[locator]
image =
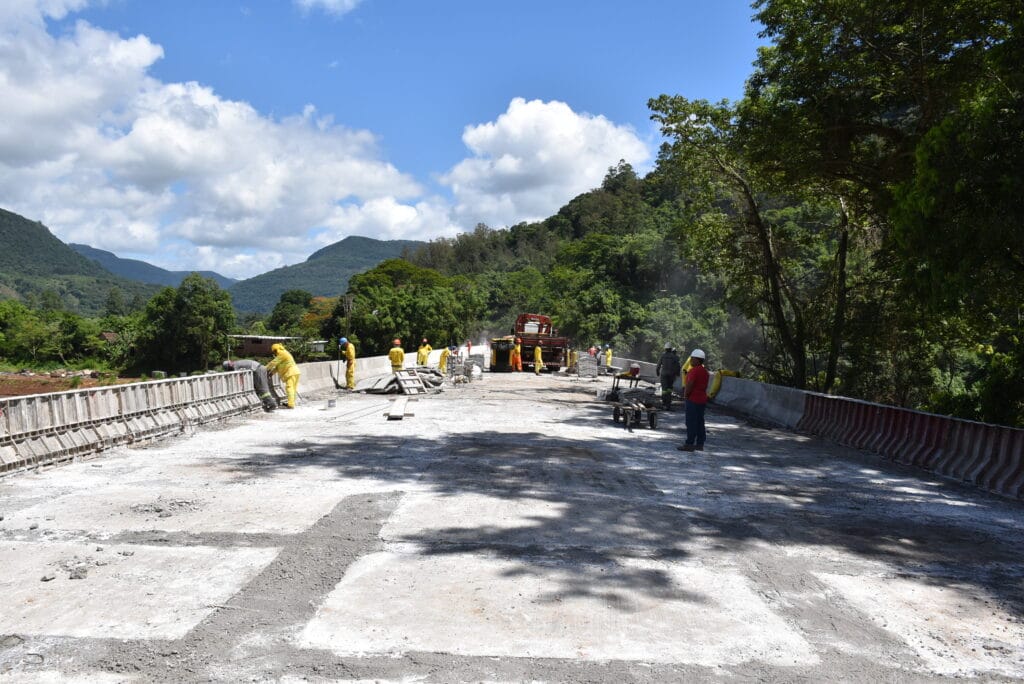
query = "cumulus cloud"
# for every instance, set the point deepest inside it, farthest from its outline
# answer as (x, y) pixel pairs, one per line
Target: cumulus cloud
(335, 7)
(533, 159)
(106, 155)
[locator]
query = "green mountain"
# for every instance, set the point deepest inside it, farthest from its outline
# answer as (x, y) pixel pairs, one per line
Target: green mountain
(133, 269)
(325, 273)
(35, 265)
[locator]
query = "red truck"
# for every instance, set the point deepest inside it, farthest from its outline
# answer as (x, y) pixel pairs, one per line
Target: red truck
(533, 330)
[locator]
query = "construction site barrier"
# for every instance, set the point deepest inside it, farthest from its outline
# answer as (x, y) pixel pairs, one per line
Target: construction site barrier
(41, 429)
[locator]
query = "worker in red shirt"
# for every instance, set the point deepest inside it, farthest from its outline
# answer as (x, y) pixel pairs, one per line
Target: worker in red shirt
(695, 394)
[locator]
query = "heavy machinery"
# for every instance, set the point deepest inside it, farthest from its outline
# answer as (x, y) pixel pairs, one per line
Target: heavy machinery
(532, 330)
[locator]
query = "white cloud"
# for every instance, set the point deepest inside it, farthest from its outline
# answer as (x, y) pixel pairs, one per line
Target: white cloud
(533, 159)
(336, 7)
(104, 154)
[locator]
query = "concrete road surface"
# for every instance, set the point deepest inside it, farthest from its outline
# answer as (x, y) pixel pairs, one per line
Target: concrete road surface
(507, 531)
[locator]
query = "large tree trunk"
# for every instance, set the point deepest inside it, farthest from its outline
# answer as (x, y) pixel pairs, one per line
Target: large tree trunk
(836, 343)
(792, 339)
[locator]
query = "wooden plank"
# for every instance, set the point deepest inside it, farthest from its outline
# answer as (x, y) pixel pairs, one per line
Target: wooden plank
(397, 409)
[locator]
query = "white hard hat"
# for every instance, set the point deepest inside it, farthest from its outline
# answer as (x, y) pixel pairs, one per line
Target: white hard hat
(668, 345)
(698, 354)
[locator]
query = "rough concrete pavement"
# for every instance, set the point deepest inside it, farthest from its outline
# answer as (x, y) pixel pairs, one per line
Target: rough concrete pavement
(509, 531)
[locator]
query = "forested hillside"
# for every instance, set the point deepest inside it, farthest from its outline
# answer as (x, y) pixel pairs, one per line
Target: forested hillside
(324, 274)
(39, 269)
(144, 272)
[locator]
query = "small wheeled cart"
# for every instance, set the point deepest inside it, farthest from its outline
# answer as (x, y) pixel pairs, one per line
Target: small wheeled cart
(630, 405)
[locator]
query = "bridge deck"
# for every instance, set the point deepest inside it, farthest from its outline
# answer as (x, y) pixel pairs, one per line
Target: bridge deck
(508, 531)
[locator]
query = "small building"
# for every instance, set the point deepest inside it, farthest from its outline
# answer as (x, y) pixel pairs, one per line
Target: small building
(316, 346)
(257, 345)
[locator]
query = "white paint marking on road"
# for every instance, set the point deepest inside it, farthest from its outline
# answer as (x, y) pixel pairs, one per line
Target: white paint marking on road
(128, 592)
(476, 605)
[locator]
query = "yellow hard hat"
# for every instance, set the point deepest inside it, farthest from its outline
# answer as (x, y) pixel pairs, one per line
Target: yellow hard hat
(276, 347)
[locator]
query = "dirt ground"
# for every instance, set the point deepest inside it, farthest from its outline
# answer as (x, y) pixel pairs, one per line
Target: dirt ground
(18, 385)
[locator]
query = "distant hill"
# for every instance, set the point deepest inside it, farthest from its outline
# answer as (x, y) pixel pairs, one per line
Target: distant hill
(33, 261)
(325, 273)
(133, 269)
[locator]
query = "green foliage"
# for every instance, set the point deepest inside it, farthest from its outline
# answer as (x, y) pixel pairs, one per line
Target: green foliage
(185, 328)
(401, 299)
(287, 314)
(43, 272)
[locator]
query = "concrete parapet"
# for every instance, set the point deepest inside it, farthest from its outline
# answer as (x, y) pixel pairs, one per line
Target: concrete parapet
(782, 406)
(48, 428)
(989, 456)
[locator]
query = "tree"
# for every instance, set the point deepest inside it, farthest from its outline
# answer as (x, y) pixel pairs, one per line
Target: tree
(115, 304)
(186, 328)
(288, 311)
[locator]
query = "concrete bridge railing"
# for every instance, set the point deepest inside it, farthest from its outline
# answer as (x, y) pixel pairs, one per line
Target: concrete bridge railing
(47, 428)
(41, 429)
(989, 456)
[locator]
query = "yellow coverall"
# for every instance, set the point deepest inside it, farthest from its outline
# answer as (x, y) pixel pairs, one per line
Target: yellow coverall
(515, 357)
(538, 360)
(284, 365)
(397, 356)
(423, 354)
(443, 363)
(350, 365)
(608, 356)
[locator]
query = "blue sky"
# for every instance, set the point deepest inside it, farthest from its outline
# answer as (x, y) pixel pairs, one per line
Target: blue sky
(241, 136)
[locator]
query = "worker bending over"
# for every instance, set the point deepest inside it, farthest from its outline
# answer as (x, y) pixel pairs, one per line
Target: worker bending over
(284, 365)
(348, 350)
(397, 356)
(260, 381)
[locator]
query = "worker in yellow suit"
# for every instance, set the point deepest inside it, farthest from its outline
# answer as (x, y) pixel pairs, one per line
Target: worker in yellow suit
(442, 364)
(423, 353)
(397, 356)
(607, 355)
(348, 350)
(284, 365)
(515, 357)
(538, 360)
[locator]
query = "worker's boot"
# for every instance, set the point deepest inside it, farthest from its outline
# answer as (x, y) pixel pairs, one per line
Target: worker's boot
(666, 400)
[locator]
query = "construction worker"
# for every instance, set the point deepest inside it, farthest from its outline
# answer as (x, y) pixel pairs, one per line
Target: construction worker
(696, 397)
(538, 360)
(260, 381)
(423, 353)
(442, 364)
(397, 356)
(668, 370)
(574, 359)
(515, 357)
(348, 350)
(608, 355)
(284, 365)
